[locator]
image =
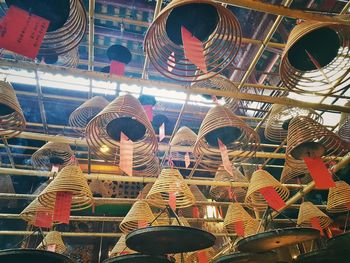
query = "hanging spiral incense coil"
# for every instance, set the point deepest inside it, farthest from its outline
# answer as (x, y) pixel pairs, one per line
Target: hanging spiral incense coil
(214, 25)
(81, 116)
(149, 169)
(261, 179)
(53, 238)
(12, 120)
(222, 192)
(121, 248)
(30, 212)
(192, 257)
(339, 198)
(124, 114)
(199, 196)
(308, 138)
(307, 211)
(236, 213)
(184, 137)
(170, 181)
(69, 179)
(221, 123)
(68, 23)
(295, 175)
(69, 59)
(344, 125)
(316, 57)
(276, 128)
(52, 153)
(219, 83)
(139, 212)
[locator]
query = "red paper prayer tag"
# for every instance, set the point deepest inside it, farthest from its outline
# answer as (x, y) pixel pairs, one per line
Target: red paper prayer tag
(161, 132)
(172, 200)
(22, 32)
(315, 223)
(193, 49)
(319, 173)
(117, 68)
(202, 257)
(55, 168)
(43, 219)
(215, 99)
(51, 248)
(126, 154)
(62, 207)
(187, 160)
(224, 156)
(124, 253)
(171, 62)
(142, 224)
(149, 111)
(195, 212)
(272, 197)
(239, 228)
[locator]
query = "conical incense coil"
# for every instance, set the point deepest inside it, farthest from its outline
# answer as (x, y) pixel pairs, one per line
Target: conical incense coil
(193, 256)
(316, 57)
(53, 238)
(221, 123)
(235, 214)
(149, 169)
(69, 179)
(194, 211)
(121, 248)
(308, 138)
(170, 181)
(295, 175)
(339, 198)
(214, 25)
(52, 153)
(276, 128)
(123, 115)
(29, 213)
(140, 213)
(81, 116)
(219, 82)
(225, 193)
(344, 125)
(308, 211)
(12, 120)
(184, 137)
(261, 179)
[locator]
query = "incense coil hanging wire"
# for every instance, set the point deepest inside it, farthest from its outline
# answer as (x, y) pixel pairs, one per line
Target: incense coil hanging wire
(344, 125)
(12, 121)
(139, 212)
(170, 181)
(69, 179)
(317, 58)
(219, 83)
(295, 175)
(124, 114)
(30, 212)
(220, 122)
(121, 248)
(276, 128)
(214, 25)
(235, 214)
(53, 238)
(223, 192)
(81, 116)
(52, 153)
(261, 179)
(339, 198)
(307, 211)
(308, 138)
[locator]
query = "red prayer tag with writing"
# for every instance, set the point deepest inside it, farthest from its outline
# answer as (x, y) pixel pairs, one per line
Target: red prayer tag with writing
(171, 62)
(117, 68)
(22, 32)
(161, 132)
(51, 248)
(224, 156)
(142, 224)
(272, 197)
(202, 257)
(315, 223)
(126, 154)
(62, 207)
(43, 219)
(319, 173)
(193, 49)
(172, 200)
(239, 228)
(187, 160)
(149, 111)
(195, 212)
